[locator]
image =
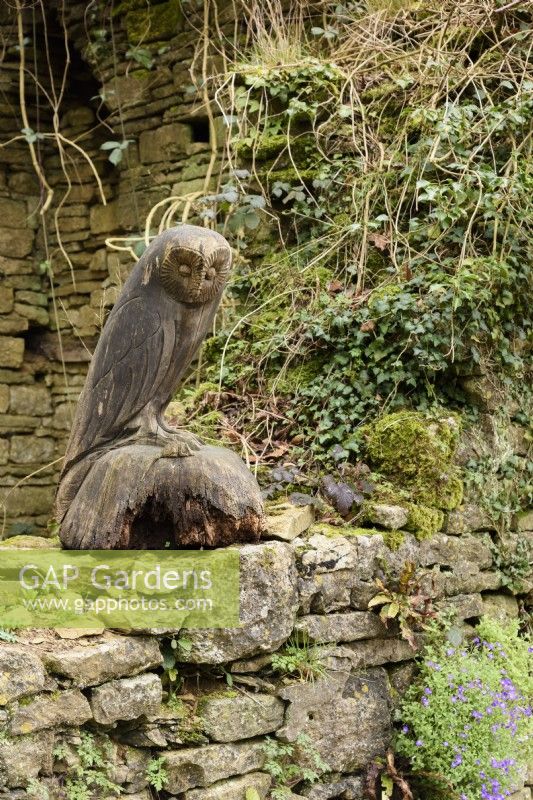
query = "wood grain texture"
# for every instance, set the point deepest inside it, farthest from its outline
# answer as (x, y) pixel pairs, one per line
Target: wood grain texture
(129, 479)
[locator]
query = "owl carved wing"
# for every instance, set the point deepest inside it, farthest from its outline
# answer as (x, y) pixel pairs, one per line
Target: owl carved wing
(124, 375)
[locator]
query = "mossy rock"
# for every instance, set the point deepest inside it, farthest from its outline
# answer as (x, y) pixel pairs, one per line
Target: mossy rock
(415, 451)
(153, 23)
(424, 521)
(26, 542)
(393, 539)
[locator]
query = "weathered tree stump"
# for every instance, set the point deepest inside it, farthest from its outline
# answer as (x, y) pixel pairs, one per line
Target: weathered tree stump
(132, 498)
(130, 480)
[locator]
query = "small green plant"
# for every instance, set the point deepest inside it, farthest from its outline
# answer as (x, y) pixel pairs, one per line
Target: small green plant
(292, 763)
(404, 603)
(7, 636)
(156, 774)
(88, 775)
(117, 150)
(142, 56)
(515, 563)
(298, 659)
(37, 789)
(466, 722)
(170, 679)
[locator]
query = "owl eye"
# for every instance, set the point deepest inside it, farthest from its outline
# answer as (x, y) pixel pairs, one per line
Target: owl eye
(183, 269)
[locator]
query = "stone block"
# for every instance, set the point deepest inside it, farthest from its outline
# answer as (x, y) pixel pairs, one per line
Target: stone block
(18, 423)
(192, 187)
(62, 419)
(24, 758)
(465, 579)
(69, 708)
(31, 400)
(24, 183)
(286, 521)
(345, 716)
(350, 787)
(327, 554)
(6, 299)
(268, 603)
(228, 719)
(32, 298)
(466, 606)
(327, 592)
(347, 627)
(450, 550)
(524, 521)
(39, 316)
(387, 516)
(501, 607)
(11, 351)
(16, 243)
(126, 698)
(31, 449)
(164, 144)
(468, 518)
(4, 398)
(108, 658)
(21, 673)
(30, 500)
(4, 451)
(13, 213)
(202, 766)
(13, 323)
(234, 789)
(105, 219)
(376, 652)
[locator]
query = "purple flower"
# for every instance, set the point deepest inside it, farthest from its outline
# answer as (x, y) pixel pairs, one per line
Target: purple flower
(427, 690)
(419, 743)
(457, 760)
(405, 729)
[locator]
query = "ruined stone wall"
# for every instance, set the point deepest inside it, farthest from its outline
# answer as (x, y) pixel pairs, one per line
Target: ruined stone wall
(305, 579)
(58, 278)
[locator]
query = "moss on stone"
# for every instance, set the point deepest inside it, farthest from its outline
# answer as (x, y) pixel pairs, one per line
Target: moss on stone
(415, 452)
(148, 24)
(325, 529)
(424, 521)
(393, 539)
(25, 542)
(289, 175)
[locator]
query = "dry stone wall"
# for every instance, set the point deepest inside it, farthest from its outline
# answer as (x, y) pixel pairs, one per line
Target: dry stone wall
(58, 278)
(209, 737)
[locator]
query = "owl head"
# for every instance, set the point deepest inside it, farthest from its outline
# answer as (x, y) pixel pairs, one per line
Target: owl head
(194, 264)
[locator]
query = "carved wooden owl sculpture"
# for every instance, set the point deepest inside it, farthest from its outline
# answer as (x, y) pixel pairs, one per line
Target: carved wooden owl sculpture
(161, 317)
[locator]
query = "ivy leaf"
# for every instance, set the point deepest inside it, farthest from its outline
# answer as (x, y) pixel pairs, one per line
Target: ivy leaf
(111, 145)
(116, 156)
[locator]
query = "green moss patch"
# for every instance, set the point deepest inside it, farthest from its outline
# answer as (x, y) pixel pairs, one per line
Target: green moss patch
(153, 23)
(416, 453)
